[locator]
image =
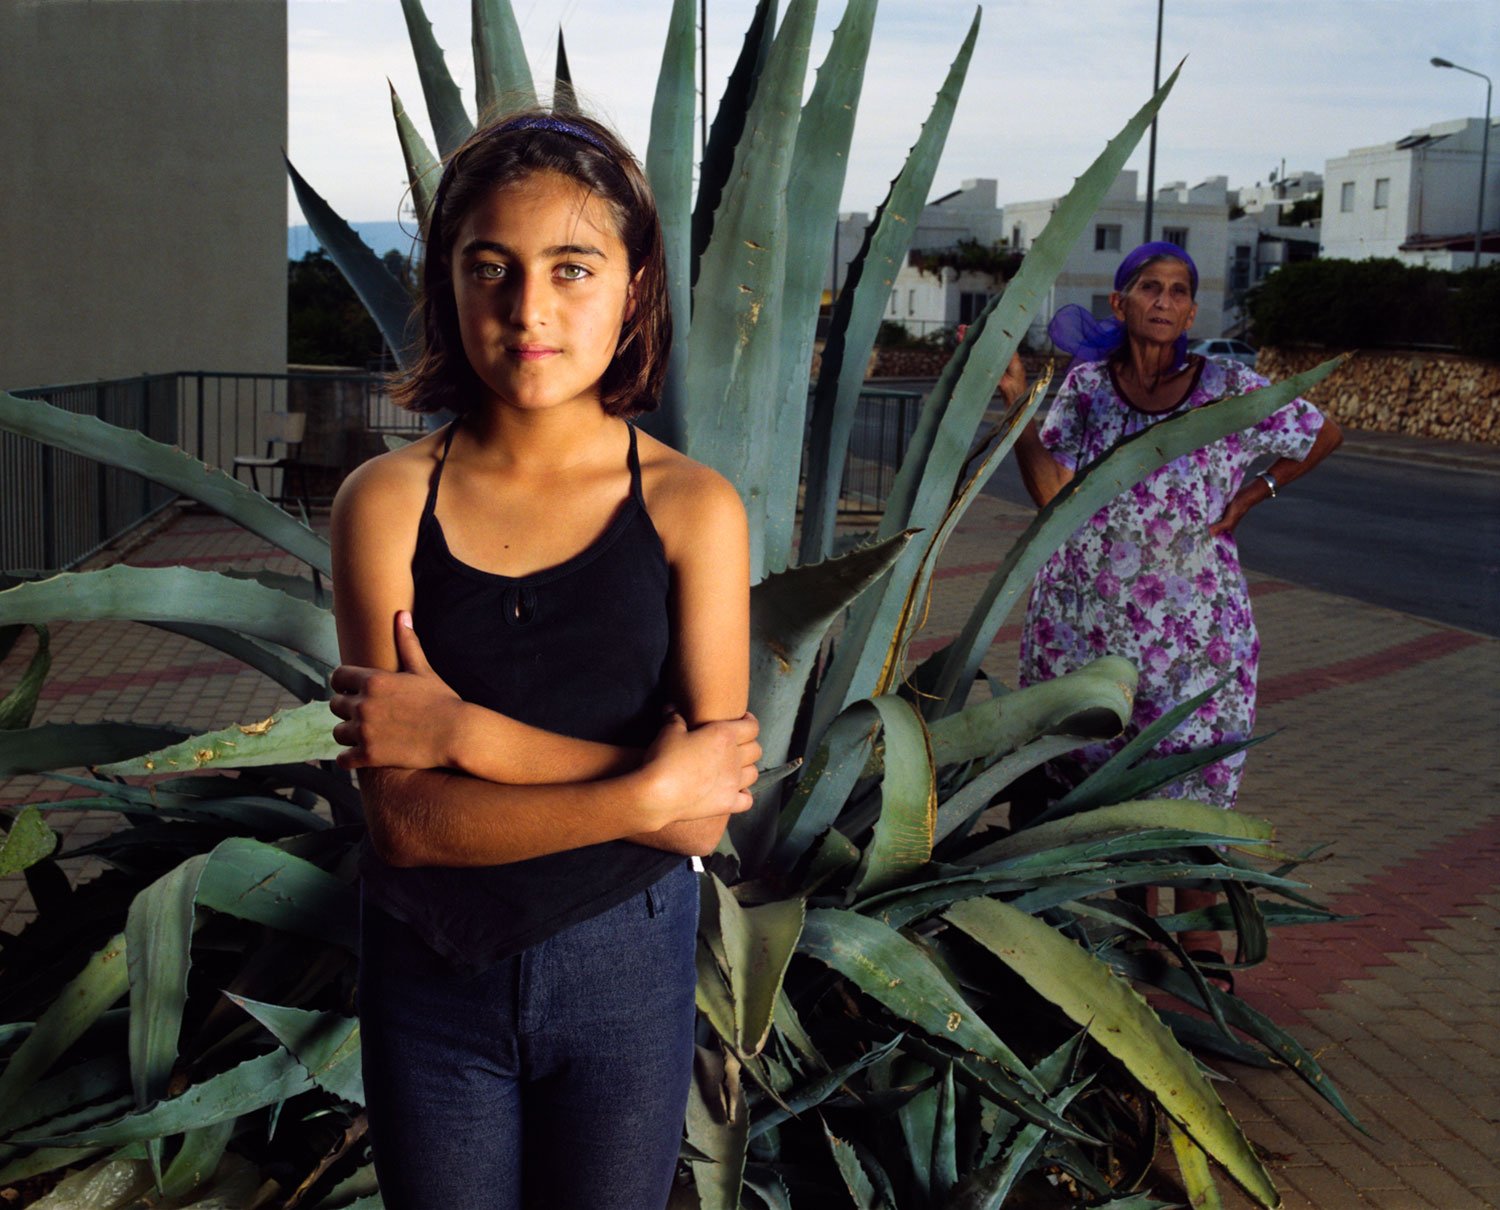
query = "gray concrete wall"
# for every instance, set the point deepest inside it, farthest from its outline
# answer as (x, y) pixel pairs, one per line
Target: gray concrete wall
(143, 226)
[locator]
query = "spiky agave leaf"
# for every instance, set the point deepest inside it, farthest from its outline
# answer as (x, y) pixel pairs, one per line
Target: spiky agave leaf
(790, 613)
(175, 594)
(669, 166)
(819, 159)
(728, 408)
(502, 77)
(27, 841)
(725, 133)
(950, 416)
(17, 706)
(383, 296)
(445, 108)
(241, 878)
(857, 311)
(564, 99)
(423, 171)
(286, 737)
(1121, 1022)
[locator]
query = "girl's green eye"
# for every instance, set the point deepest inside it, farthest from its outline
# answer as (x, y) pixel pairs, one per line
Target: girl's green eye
(572, 272)
(489, 271)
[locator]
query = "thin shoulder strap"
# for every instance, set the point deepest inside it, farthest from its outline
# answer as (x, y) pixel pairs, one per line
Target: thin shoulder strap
(634, 459)
(437, 475)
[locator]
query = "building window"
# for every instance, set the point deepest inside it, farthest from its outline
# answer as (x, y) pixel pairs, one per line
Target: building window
(1239, 269)
(1382, 192)
(911, 302)
(1016, 235)
(1099, 306)
(970, 304)
(1176, 235)
(1107, 237)
(1346, 198)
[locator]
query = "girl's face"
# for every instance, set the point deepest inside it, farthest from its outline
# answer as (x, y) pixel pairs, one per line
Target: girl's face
(1159, 307)
(542, 284)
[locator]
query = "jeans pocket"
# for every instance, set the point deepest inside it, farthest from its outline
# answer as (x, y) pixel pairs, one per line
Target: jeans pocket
(669, 892)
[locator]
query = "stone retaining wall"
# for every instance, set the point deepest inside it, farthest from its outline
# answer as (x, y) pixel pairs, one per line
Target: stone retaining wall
(1441, 395)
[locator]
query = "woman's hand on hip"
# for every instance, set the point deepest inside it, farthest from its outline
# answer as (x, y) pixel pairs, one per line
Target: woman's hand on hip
(401, 720)
(700, 773)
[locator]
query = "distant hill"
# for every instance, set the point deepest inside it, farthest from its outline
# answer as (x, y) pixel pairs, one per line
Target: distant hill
(381, 237)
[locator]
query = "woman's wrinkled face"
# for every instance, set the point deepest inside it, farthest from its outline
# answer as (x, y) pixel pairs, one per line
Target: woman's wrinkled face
(1158, 306)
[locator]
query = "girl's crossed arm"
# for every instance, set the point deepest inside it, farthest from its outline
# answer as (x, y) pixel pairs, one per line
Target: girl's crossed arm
(430, 816)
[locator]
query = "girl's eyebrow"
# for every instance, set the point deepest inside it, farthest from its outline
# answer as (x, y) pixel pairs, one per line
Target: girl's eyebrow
(485, 245)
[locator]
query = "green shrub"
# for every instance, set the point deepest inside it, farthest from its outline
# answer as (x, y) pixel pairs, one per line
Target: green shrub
(1379, 304)
(1476, 312)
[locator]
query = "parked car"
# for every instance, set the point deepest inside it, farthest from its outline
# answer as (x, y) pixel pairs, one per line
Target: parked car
(1225, 349)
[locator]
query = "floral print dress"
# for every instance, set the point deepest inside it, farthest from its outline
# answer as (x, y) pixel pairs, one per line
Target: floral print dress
(1143, 578)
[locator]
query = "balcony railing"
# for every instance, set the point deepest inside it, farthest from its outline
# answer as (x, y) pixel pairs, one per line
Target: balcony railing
(59, 508)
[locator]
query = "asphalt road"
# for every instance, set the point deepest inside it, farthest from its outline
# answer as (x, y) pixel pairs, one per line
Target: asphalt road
(1412, 535)
(1424, 539)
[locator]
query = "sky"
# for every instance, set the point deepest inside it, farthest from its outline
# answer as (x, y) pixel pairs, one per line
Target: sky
(1265, 83)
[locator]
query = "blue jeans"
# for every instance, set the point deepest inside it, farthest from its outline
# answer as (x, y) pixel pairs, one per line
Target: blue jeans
(556, 1078)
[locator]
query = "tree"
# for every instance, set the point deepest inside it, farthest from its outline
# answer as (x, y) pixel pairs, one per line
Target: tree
(326, 322)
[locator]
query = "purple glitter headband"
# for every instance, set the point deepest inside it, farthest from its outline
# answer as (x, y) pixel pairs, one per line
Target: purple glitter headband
(1155, 250)
(1077, 332)
(559, 126)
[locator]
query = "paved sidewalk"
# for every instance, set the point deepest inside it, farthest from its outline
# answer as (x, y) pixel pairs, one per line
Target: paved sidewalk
(1385, 751)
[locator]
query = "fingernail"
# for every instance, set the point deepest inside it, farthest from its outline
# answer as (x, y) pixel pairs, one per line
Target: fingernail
(404, 618)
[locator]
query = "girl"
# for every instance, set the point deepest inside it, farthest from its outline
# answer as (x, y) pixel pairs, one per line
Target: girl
(529, 910)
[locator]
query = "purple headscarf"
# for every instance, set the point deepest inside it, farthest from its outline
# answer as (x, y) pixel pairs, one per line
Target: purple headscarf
(1074, 330)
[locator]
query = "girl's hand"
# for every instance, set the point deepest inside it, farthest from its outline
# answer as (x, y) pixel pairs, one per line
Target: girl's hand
(702, 773)
(400, 720)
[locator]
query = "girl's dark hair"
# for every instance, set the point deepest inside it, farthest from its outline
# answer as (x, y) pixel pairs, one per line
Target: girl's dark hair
(503, 153)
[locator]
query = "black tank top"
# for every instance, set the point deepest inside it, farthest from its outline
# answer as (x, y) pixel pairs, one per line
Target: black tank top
(579, 649)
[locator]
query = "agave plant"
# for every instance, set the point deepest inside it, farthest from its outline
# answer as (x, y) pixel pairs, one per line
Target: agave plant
(904, 1001)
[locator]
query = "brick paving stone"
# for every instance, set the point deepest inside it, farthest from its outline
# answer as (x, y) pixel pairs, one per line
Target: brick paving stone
(1403, 1198)
(1358, 1166)
(1464, 1161)
(1323, 1187)
(1442, 1189)
(1397, 1116)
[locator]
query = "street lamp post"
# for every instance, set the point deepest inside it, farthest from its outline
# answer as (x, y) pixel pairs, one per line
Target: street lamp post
(1484, 149)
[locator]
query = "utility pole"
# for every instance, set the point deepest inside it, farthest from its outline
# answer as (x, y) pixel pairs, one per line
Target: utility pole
(1151, 154)
(703, 72)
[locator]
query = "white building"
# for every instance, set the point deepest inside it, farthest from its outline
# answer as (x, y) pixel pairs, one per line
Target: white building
(1283, 190)
(970, 212)
(1414, 199)
(925, 302)
(1196, 219)
(1261, 240)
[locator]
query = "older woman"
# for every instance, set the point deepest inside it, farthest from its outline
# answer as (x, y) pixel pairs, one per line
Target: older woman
(1155, 576)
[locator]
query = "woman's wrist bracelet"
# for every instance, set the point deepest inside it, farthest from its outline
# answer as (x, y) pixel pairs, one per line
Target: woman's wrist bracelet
(1270, 481)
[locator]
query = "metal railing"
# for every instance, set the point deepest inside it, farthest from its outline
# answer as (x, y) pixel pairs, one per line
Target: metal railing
(57, 508)
(60, 508)
(883, 424)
